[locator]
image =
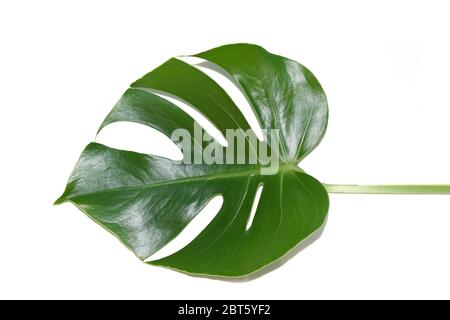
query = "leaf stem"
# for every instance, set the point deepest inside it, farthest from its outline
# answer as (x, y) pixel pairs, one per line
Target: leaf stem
(388, 189)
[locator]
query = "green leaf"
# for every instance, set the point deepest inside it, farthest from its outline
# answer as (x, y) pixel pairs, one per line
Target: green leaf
(146, 200)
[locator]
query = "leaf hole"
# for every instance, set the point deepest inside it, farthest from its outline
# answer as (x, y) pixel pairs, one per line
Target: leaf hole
(204, 122)
(251, 217)
(231, 87)
(140, 138)
(192, 230)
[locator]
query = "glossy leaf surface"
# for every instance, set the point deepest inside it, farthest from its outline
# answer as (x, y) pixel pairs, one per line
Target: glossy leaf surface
(146, 200)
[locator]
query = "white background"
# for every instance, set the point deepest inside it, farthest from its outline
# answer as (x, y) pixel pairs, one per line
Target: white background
(384, 66)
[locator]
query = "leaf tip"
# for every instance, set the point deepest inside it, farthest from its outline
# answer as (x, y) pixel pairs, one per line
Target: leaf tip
(60, 200)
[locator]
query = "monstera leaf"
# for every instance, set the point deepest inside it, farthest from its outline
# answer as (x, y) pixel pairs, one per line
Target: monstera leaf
(147, 200)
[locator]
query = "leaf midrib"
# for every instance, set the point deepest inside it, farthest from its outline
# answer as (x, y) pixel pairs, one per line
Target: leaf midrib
(211, 176)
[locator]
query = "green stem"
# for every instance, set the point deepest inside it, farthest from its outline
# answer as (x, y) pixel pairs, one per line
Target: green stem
(388, 189)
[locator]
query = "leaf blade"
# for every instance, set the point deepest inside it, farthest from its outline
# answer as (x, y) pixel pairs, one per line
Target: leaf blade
(147, 200)
(278, 89)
